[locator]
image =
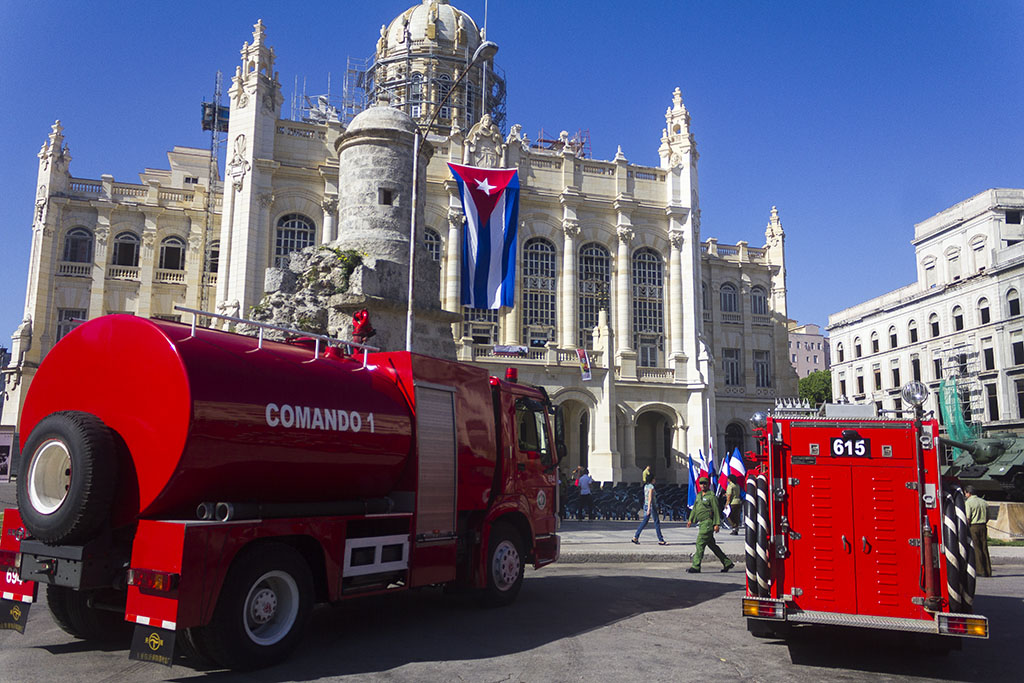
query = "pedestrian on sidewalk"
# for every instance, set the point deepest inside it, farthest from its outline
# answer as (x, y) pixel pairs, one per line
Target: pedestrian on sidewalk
(650, 508)
(977, 518)
(734, 504)
(705, 513)
(586, 498)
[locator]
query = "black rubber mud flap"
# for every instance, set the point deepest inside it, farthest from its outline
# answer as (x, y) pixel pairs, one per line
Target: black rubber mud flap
(151, 644)
(13, 615)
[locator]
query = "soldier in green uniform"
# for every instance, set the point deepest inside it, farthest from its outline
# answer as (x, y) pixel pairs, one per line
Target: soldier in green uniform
(705, 513)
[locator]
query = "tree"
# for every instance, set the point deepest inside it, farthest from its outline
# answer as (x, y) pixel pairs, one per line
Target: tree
(817, 387)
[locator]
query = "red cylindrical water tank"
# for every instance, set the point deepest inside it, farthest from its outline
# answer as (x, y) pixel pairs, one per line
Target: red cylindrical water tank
(214, 417)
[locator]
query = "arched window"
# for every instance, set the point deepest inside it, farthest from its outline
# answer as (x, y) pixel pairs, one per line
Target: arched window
(758, 301)
(416, 95)
(213, 256)
(892, 337)
(874, 342)
(856, 347)
(734, 438)
(1012, 303)
(704, 300)
(953, 264)
(172, 254)
(729, 300)
(928, 266)
(78, 246)
(933, 325)
(839, 351)
(912, 331)
(444, 86)
(294, 232)
(595, 277)
(983, 312)
(432, 240)
(958, 318)
(126, 250)
(538, 292)
(648, 306)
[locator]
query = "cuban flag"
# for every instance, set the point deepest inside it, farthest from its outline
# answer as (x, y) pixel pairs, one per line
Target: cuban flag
(490, 200)
(736, 466)
(723, 474)
(691, 491)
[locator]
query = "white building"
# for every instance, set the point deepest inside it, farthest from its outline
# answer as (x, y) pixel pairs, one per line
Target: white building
(686, 337)
(962, 317)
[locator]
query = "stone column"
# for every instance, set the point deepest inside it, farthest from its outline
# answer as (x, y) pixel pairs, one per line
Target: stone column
(623, 285)
(567, 328)
(224, 258)
(453, 263)
(147, 263)
(97, 292)
(330, 207)
(195, 266)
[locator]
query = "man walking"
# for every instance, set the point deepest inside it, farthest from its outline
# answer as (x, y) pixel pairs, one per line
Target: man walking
(733, 501)
(705, 513)
(977, 518)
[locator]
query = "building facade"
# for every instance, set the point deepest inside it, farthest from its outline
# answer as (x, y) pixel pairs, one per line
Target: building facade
(808, 349)
(685, 337)
(960, 319)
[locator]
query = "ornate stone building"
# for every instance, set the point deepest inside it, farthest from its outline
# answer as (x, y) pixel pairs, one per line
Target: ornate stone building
(686, 337)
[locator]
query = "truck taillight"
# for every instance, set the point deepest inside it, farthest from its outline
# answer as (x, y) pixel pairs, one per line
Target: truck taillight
(153, 579)
(764, 608)
(9, 560)
(962, 625)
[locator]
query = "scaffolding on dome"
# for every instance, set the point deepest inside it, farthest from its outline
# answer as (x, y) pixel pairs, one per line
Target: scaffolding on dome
(578, 142)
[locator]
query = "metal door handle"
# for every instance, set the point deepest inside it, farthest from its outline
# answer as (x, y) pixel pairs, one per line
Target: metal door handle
(864, 544)
(846, 544)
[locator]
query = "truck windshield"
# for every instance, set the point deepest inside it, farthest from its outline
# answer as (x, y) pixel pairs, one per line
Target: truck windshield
(531, 429)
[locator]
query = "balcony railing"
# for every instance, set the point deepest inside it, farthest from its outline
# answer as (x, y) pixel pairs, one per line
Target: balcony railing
(122, 272)
(174, 277)
(69, 269)
(210, 279)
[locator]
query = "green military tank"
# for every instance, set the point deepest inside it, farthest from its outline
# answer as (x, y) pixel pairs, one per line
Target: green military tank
(993, 464)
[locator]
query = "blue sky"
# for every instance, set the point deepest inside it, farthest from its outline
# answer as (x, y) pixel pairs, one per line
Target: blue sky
(856, 119)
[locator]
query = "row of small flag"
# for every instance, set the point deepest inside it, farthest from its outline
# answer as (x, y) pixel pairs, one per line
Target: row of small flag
(698, 466)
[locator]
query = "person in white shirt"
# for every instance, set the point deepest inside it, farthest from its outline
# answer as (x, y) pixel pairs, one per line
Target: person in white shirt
(586, 499)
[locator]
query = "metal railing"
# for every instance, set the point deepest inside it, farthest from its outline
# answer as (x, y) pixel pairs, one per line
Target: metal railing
(329, 341)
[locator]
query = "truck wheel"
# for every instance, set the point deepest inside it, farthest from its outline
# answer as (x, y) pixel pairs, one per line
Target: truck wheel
(504, 566)
(262, 610)
(67, 481)
(71, 611)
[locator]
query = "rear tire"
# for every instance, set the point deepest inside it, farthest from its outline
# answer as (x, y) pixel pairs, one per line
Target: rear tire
(504, 566)
(68, 478)
(71, 611)
(262, 610)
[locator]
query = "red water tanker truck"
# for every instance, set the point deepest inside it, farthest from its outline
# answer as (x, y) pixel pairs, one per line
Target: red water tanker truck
(849, 523)
(209, 488)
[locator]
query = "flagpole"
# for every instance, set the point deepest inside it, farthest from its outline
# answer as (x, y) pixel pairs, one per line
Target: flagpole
(486, 50)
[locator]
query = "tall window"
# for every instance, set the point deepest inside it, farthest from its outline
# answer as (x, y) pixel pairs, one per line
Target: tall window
(432, 240)
(538, 292)
(958, 318)
(895, 367)
(172, 254)
(874, 342)
(595, 278)
(734, 437)
(729, 300)
(731, 367)
(953, 264)
(892, 337)
(993, 402)
(472, 101)
(929, 272)
(988, 354)
(762, 368)
(758, 301)
(213, 256)
(856, 347)
(444, 86)
(480, 325)
(126, 250)
(912, 331)
(983, 313)
(648, 306)
(933, 324)
(839, 351)
(68, 319)
(294, 232)
(78, 246)
(1013, 303)
(704, 302)
(416, 95)
(915, 367)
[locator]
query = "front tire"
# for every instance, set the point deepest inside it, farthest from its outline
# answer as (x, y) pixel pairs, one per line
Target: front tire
(262, 610)
(67, 483)
(504, 566)
(71, 611)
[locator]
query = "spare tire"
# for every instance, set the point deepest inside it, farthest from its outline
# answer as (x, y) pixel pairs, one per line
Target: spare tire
(68, 477)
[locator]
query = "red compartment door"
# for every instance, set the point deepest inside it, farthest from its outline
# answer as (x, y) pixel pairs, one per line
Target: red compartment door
(885, 519)
(822, 564)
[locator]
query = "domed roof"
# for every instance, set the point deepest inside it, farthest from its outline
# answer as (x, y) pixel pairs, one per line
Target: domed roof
(446, 20)
(375, 118)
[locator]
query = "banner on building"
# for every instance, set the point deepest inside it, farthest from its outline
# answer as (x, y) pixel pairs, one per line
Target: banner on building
(584, 363)
(490, 201)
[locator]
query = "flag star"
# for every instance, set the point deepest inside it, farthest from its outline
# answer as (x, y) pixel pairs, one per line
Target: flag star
(484, 185)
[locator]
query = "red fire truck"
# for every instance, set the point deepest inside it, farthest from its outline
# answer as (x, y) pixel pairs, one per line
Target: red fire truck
(210, 487)
(849, 523)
